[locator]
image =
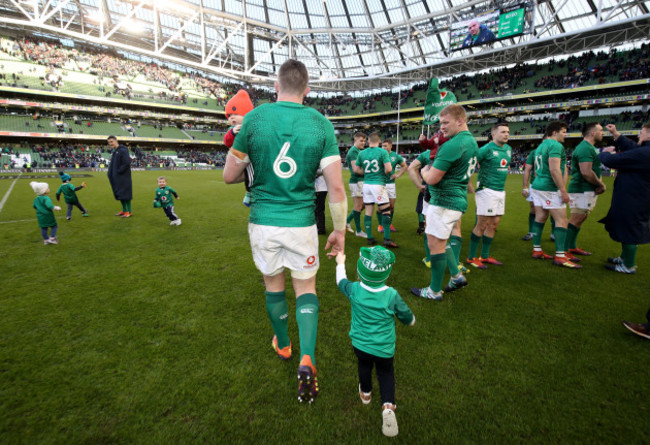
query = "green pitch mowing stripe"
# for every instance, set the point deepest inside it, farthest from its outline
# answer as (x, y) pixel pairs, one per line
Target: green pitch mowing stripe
(132, 331)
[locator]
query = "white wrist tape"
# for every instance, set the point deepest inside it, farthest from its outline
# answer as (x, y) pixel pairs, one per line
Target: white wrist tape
(339, 211)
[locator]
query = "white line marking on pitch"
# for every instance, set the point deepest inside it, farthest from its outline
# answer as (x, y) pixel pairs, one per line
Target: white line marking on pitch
(24, 220)
(11, 187)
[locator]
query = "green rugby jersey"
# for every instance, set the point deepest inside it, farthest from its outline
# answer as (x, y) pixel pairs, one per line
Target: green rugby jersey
(372, 326)
(69, 193)
(494, 162)
(285, 143)
(44, 211)
(530, 160)
(372, 161)
(395, 160)
(353, 154)
(424, 158)
(549, 148)
(166, 196)
(584, 152)
(457, 157)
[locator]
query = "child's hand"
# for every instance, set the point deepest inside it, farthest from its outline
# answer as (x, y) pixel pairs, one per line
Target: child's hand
(236, 128)
(83, 184)
(57, 208)
(340, 258)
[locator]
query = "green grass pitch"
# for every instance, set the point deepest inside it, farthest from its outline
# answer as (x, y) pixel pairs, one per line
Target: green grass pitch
(132, 331)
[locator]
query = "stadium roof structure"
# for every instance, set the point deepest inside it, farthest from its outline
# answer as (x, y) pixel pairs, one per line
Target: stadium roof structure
(347, 45)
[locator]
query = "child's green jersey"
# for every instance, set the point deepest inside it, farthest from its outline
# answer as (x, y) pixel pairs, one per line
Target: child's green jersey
(286, 144)
(44, 211)
(166, 196)
(372, 328)
(69, 193)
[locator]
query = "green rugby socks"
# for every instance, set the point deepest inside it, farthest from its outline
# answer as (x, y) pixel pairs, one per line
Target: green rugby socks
(278, 311)
(307, 318)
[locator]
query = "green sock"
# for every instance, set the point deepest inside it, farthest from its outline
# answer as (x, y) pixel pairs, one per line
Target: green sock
(452, 262)
(571, 237)
(307, 318)
(531, 221)
(473, 245)
(128, 206)
(538, 228)
(560, 239)
(278, 310)
(628, 254)
(357, 220)
(367, 222)
(386, 220)
(427, 252)
(420, 218)
(379, 218)
(349, 218)
(485, 248)
(456, 243)
(438, 266)
(123, 202)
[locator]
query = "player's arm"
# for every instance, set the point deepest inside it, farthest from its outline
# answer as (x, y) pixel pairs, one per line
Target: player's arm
(402, 170)
(338, 204)
(555, 167)
(356, 169)
(236, 162)
(590, 176)
(388, 168)
(414, 174)
(527, 170)
(432, 175)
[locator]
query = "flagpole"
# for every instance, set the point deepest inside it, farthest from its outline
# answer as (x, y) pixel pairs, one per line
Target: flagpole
(399, 107)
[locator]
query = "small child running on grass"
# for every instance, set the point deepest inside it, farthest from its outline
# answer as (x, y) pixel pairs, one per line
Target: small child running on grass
(70, 195)
(374, 307)
(45, 211)
(165, 198)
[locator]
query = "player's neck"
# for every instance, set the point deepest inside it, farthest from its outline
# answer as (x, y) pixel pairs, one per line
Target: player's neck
(592, 141)
(284, 97)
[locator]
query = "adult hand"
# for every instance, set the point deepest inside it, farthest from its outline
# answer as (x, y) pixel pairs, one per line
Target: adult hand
(610, 149)
(565, 197)
(600, 189)
(335, 242)
(612, 129)
(524, 193)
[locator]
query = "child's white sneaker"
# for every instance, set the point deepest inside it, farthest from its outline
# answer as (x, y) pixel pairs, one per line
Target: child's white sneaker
(389, 421)
(53, 240)
(366, 397)
(178, 222)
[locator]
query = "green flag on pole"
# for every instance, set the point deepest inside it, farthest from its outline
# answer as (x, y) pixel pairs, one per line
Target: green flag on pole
(437, 99)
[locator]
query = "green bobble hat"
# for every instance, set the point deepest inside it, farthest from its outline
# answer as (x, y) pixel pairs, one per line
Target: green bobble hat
(64, 177)
(375, 265)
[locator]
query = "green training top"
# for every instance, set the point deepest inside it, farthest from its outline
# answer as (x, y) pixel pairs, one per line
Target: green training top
(372, 161)
(584, 152)
(373, 311)
(353, 154)
(285, 142)
(69, 194)
(395, 160)
(457, 157)
(166, 196)
(494, 162)
(44, 211)
(549, 148)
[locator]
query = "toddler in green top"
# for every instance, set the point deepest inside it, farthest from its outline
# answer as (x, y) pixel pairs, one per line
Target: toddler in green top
(70, 195)
(165, 198)
(45, 211)
(374, 307)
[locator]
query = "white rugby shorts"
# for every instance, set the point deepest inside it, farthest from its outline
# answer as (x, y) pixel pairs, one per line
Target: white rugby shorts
(375, 194)
(356, 190)
(583, 201)
(441, 221)
(548, 200)
(276, 248)
(490, 202)
(391, 190)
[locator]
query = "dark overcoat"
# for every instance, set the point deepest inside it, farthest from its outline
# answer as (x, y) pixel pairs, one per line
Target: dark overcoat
(119, 174)
(628, 220)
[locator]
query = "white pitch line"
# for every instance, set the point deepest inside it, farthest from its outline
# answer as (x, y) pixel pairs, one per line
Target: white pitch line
(11, 187)
(24, 220)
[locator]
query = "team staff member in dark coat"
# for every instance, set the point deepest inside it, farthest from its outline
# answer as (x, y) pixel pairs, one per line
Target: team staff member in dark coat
(628, 220)
(119, 175)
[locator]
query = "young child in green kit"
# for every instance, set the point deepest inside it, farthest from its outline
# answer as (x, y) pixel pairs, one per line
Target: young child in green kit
(45, 211)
